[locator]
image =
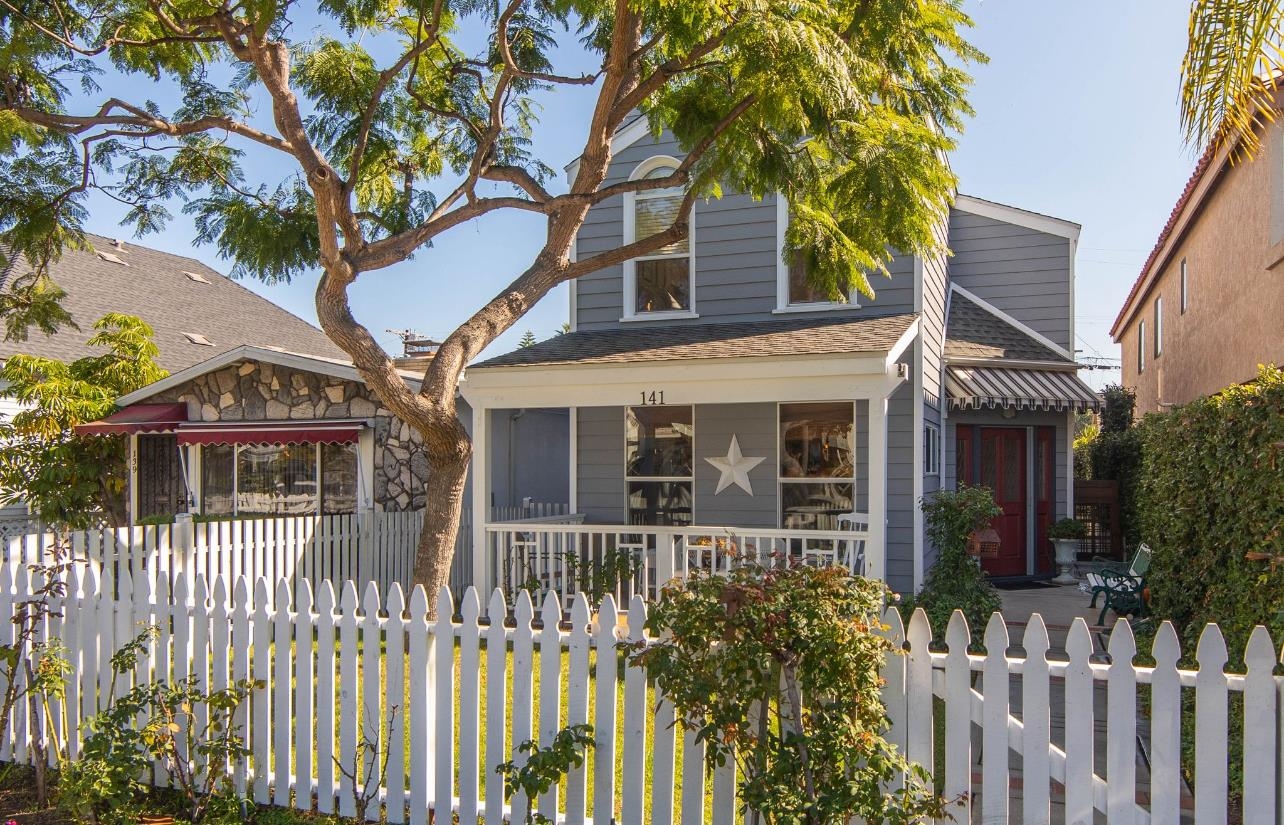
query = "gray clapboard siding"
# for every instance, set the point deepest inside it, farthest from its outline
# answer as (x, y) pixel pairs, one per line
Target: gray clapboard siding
(754, 426)
(735, 258)
(1024, 272)
(600, 460)
(900, 488)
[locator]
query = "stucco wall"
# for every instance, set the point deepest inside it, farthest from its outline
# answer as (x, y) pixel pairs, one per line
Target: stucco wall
(253, 391)
(1236, 292)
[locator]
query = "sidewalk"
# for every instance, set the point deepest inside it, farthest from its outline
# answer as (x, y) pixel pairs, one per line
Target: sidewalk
(1059, 606)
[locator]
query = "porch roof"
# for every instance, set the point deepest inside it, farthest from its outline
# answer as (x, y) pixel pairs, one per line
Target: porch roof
(638, 344)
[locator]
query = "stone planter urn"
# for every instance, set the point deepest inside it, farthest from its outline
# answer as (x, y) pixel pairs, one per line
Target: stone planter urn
(1067, 554)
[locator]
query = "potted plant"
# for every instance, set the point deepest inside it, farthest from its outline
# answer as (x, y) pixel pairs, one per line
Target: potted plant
(1065, 536)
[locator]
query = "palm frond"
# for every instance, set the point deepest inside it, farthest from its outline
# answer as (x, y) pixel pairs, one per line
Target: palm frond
(1234, 58)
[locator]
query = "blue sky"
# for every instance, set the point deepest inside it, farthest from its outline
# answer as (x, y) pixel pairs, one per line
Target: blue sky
(1076, 116)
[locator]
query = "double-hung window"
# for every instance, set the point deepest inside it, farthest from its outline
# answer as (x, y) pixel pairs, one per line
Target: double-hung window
(660, 282)
(1141, 346)
(931, 449)
(794, 289)
(817, 464)
(1159, 326)
(1185, 289)
(658, 450)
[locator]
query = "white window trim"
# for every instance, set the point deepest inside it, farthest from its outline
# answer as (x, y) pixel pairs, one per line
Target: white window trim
(631, 312)
(932, 449)
(782, 273)
(1159, 325)
(1141, 346)
(1184, 287)
(781, 481)
(676, 479)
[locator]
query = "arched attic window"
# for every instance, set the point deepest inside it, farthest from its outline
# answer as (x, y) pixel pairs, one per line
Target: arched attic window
(661, 284)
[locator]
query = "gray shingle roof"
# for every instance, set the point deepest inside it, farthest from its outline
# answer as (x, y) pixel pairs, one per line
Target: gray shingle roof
(973, 332)
(154, 288)
(632, 344)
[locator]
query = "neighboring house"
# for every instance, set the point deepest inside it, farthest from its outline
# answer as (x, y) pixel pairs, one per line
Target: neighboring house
(1205, 310)
(261, 413)
(707, 385)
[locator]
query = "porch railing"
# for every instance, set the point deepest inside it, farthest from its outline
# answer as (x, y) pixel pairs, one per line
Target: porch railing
(626, 560)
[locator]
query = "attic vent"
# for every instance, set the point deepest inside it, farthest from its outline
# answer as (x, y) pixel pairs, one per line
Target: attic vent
(110, 258)
(195, 276)
(197, 338)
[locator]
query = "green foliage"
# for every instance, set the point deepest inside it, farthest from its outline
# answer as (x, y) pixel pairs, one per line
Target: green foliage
(1085, 436)
(595, 576)
(1211, 492)
(778, 669)
(1068, 528)
(157, 722)
(528, 339)
(545, 767)
(1115, 455)
(956, 581)
(68, 479)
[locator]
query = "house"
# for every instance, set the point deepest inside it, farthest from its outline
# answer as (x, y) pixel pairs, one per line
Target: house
(707, 385)
(194, 311)
(261, 413)
(1214, 275)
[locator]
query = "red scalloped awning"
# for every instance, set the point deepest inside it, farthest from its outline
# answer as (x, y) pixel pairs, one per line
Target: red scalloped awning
(138, 418)
(271, 432)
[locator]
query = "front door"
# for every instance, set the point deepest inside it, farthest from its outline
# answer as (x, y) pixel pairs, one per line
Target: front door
(1002, 468)
(160, 477)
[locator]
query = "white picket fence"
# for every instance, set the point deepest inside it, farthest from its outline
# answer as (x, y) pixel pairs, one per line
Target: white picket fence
(340, 670)
(378, 547)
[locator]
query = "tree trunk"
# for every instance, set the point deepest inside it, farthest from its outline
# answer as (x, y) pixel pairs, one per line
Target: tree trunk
(443, 504)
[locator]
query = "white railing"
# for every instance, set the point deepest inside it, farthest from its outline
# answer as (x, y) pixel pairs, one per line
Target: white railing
(340, 669)
(570, 558)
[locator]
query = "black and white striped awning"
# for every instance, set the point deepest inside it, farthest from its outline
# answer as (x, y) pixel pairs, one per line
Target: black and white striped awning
(979, 388)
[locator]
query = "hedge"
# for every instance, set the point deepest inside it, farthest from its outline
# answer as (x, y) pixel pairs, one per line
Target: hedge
(1212, 489)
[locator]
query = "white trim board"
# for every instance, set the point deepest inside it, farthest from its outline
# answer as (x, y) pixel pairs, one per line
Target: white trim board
(1018, 217)
(247, 352)
(624, 137)
(1008, 319)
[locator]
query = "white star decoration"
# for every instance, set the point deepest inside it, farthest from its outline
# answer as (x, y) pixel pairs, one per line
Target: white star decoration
(735, 468)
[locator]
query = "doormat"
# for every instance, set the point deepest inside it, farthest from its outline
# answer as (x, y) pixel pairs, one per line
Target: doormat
(1023, 584)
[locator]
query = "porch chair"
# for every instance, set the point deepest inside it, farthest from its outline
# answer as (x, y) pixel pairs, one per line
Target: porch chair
(1123, 590)
(855, 547)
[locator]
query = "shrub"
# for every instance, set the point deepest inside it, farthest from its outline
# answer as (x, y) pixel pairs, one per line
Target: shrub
(956, 581)
(736, 654)
(1115, 455)
(1212, 491)
(1067, 528)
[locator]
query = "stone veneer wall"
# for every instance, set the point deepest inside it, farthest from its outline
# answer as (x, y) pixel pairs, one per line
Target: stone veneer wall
(254, 391)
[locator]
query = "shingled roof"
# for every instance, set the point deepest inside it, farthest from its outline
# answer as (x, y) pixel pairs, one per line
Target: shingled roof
(184, 301)
(972, 331)
(740, 340)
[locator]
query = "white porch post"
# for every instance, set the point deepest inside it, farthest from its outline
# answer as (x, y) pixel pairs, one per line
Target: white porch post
(876, 549)
(133, 478)
(481, 500)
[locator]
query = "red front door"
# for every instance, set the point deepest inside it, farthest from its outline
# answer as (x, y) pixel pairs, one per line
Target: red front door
(1002, 468)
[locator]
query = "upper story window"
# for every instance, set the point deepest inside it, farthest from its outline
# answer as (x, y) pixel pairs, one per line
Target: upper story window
(1141, 346)
(1185, 290)
(1159, 326)
(660, 284)
(794, 291)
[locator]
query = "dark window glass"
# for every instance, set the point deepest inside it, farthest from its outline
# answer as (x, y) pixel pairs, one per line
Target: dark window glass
(218, 477)
(816, 440)
(663, 284)
(815, 505)
(661, 503)
(658, 442)
(338, 479)
(276, 479)
(801, 290)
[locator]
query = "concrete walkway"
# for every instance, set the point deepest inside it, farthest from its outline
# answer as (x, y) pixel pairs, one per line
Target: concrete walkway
(1059, 606)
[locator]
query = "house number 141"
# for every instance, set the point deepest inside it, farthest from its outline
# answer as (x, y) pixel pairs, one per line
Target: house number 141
(652, 398)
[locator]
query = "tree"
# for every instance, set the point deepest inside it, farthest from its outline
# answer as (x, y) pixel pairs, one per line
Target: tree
(70, 480)
(388, 129)
(528, 339)
(1234, 57)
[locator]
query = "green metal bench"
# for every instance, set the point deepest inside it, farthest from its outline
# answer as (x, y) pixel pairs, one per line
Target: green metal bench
(1124, 591)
